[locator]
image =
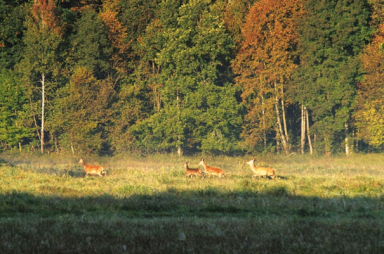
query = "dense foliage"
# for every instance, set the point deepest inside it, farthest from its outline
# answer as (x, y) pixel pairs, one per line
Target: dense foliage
(219, 77)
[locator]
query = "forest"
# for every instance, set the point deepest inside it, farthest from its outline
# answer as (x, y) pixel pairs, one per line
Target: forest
(218, 77)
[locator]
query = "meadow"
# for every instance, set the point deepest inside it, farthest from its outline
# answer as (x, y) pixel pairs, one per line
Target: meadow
(147, 205)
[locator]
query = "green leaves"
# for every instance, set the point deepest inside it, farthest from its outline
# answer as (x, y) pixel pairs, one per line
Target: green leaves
(332, 35)
(90, 45)
(15, 124)
(188, 55)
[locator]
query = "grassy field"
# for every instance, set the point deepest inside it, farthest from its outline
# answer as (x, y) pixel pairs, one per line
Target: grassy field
(147, 205)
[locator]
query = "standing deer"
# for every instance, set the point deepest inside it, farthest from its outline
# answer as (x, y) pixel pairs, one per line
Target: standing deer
(211, 170)
(92, 170)
(261, 171)
(189, 172)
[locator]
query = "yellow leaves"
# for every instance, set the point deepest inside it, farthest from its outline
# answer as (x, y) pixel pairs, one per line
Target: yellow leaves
(370, 116)
(372, 121)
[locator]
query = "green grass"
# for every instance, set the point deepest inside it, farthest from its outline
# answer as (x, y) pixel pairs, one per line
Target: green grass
(147, 205)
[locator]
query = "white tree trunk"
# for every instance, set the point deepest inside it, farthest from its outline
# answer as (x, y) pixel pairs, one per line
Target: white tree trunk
(308, 135)
(42, 111)
(263, 119)
(302, 129)
(284, 118)
(280, 127)
(346, 139)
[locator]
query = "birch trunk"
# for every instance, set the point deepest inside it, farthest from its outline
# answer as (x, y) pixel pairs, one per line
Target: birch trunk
(263, 119)
(302, 129)
(308, 135)
(280, 127)
(284, 118)
(346, 139)
(42, 111)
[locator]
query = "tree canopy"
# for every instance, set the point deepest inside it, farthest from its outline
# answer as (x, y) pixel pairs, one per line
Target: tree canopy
(191, 76)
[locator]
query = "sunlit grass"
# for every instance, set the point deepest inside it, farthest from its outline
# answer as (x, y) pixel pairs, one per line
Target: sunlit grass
(151, 197)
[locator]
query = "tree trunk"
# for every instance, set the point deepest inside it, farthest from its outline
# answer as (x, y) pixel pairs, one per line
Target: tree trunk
(308, 135)
(302, 129)
(280, 128)
(34, 119)
(263, 119)
(284, 118)
(346, 139)
(42, 111)
(179, 151)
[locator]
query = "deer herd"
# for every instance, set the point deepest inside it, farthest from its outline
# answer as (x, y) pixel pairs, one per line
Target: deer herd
(190, 172)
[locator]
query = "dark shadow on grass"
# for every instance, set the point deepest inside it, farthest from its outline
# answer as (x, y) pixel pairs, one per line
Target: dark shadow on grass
(211, 220)
(138, 201)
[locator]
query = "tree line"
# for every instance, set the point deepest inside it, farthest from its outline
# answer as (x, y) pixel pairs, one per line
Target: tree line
(191, 76)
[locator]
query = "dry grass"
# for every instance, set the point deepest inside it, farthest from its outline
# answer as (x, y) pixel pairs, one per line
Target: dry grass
(147, 205)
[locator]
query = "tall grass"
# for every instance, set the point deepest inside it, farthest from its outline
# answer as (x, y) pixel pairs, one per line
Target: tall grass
(147, 205)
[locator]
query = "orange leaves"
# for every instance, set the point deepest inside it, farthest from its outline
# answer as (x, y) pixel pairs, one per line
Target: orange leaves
(117, 33)
(265, 62)
(269, 33)
(373, 62)
(370, 111)
(43, 13)
(269, 38)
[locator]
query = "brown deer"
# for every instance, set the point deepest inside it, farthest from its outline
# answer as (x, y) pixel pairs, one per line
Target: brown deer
(92, 170)
(261, 171)
(211, 170)
(189, 172)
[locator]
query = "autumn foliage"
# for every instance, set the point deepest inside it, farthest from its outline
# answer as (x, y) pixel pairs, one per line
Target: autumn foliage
(217, 77)
(370, 113)
(265, 62)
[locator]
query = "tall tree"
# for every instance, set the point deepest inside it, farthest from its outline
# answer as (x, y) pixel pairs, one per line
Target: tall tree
(90, 45)
(15, 124)
(234, 16)
(12, 17)
(41, 56)
(370, 113)
(332, 35)
(82, 113)
(117, 35)
(194, 108)
(264, 64)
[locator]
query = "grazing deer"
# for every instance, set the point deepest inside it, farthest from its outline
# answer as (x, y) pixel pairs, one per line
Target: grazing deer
(261, 171)
(92, 170)
(211, 170)
(189, 172)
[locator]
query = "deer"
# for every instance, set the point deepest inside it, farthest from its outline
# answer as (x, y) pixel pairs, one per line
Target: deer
(92, 170)
(261, 171)
(189, 172)
(211, 170)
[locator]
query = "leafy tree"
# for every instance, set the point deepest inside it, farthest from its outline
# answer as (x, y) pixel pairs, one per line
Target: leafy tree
(90, 45)
(15, 124)
(371, 92)
(41, 62)
(234, 16)
(82, 113)
(12, 16)
(264, 64)
(332, 35)
(136, 15)
(117, 35)
(377, 15)
(192, 108)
